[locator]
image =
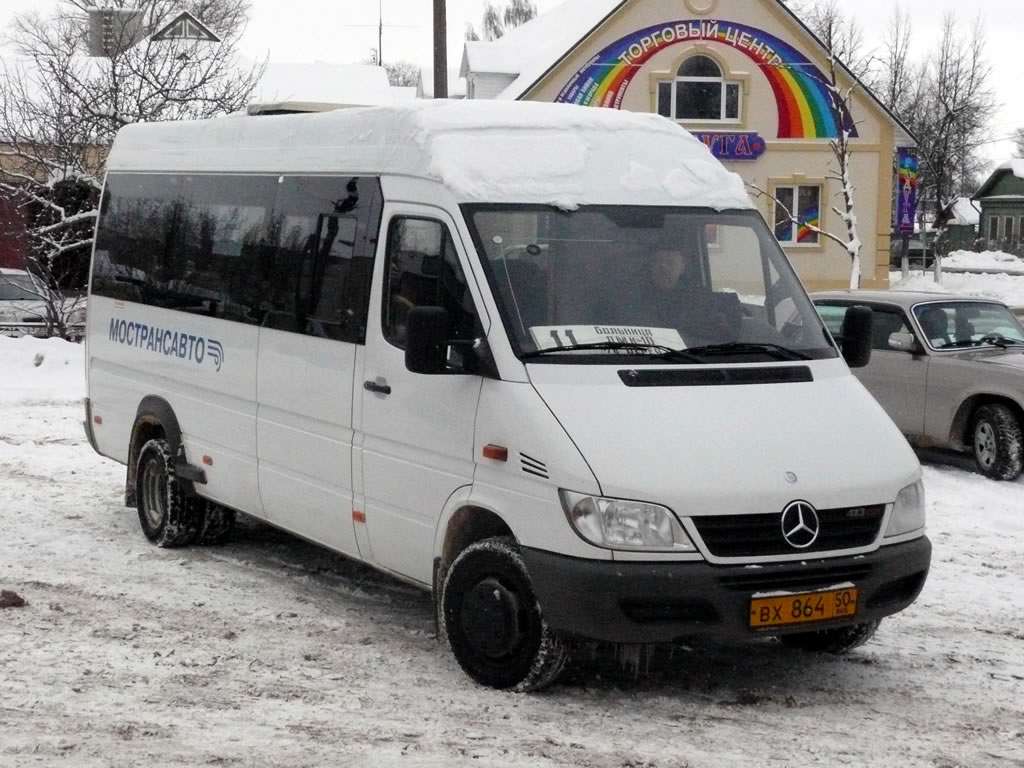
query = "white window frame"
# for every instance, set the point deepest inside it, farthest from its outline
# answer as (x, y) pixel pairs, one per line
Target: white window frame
(795, 187)
(722, 79)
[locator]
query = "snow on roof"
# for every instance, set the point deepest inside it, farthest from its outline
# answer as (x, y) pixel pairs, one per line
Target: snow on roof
(962, 212)
(319, 85)
(515, 152)
(1016, 165)
(531, 49)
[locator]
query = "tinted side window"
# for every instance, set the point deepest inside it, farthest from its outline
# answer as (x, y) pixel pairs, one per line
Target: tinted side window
(189, 243)
(423, 270)
(137, 230)
(325, 228)
(224, 239)
(291, 253)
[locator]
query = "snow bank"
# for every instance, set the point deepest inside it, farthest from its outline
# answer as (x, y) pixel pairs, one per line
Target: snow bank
(484, 151)
(1008, 289)
(35, 370)
(987, 260)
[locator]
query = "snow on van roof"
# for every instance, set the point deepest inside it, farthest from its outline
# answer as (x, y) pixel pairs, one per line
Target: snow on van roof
(522, 152)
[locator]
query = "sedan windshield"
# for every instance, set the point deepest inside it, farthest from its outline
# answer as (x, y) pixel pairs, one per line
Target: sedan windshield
(958, 324)
(610, 281)
(17, 288)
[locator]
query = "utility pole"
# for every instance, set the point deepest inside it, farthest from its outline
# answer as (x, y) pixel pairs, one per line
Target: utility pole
(440, 50)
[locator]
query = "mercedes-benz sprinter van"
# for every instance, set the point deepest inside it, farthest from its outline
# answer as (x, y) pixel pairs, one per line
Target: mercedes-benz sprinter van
(547, 362)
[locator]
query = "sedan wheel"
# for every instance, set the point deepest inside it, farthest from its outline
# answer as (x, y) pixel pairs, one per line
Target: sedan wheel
(997, 442)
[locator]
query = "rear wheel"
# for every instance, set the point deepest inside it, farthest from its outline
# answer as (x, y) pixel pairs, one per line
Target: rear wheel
(997, 442)
(493, 622)
(836, 641)
(169, 517)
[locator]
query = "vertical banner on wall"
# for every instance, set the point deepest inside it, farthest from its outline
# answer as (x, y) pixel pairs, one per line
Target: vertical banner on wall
(906, 205)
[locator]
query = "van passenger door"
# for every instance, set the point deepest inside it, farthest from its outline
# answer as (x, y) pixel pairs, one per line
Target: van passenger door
(316, 276)
(414, 432)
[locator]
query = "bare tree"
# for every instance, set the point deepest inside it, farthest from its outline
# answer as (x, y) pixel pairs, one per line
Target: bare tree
(896, 72)
(60, 110)
(497, 21)
(949, 111)
(1018, 140)
(402, 74)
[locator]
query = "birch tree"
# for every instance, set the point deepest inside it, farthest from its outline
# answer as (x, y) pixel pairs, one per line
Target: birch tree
(60, 110)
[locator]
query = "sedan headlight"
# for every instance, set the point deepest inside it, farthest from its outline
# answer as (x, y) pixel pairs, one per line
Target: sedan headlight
(908, 511)
(625, 525)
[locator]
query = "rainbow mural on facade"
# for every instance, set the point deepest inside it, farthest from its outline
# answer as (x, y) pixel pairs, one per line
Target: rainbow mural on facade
(800, 88)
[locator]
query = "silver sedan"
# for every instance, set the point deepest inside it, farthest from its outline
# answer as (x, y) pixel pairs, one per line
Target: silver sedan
(949, 371)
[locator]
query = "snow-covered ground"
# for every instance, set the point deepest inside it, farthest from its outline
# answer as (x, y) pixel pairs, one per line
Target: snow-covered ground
(272, 652)
(999, 276)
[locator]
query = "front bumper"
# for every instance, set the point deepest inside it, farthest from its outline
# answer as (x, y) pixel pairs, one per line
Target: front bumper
(627, 602)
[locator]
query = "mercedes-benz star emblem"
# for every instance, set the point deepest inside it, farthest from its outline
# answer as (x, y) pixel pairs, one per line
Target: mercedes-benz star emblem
(800, 524)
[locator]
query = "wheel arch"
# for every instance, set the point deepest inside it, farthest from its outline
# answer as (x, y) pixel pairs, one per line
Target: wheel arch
(154, 418)
(960, 430)
(463, 523)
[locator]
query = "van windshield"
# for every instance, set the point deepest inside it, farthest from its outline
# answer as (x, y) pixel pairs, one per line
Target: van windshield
(679, 284)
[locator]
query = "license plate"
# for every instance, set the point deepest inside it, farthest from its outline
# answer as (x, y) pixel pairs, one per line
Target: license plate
(806, 608)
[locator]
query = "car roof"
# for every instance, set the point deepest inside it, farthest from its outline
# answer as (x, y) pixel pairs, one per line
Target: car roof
(9, 271)
(904, 299)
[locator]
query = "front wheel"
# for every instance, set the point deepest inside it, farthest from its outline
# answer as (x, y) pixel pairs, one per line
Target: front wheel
(837, 641)
(997, 442)
(493, 621)
(169, 516)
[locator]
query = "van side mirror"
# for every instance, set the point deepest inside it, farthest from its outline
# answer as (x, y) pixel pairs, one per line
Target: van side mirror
(426, 342)
(856, 336)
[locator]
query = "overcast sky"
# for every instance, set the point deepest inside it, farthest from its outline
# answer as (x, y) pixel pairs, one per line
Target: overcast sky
(346, 31)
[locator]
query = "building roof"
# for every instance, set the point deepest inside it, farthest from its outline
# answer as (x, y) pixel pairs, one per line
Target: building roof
(517, 152)
(318, 86)
(1014, 166)
(534, 49)
(531, 50)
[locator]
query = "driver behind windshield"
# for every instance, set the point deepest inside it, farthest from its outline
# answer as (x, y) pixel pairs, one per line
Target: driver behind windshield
(677, 297)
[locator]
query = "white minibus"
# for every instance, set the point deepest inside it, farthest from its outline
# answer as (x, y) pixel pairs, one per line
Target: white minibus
(547, 362)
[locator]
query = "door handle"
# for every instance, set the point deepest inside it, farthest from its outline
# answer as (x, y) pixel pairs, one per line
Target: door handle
(380, 386)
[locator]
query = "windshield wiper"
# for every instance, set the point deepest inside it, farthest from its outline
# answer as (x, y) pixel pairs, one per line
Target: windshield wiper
(652, 350)
(744, 348)
(996, 341)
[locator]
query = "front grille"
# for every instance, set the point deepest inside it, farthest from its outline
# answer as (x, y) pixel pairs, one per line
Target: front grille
(761, 535)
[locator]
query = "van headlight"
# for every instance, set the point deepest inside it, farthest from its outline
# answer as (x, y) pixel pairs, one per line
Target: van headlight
(77, 317)
(908, 511)
(622, 524)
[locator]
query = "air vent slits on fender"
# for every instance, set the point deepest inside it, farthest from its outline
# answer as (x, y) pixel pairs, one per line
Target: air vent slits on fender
(534, 467)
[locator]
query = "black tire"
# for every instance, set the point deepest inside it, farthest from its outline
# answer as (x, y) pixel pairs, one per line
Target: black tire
(215, 523)
(837, 641)
(493, 621)
(169, 517)
(997, 442)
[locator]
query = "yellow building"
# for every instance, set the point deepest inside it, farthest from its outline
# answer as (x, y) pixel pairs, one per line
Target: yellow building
(748, 78)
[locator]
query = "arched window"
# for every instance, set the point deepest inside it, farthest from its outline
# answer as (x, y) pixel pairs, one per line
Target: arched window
(699, 92)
